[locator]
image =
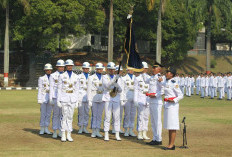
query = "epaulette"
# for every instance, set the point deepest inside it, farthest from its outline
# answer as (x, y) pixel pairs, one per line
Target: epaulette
(173, 81)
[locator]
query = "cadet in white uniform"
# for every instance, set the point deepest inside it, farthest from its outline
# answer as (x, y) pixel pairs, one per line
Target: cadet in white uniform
(211, 90)
(189, 83)
(83, 109)
(202, 85)
(67, 99)
(94, 95)
(122, 101)
(140, 100)
(155, 103)
(214, 87)
(112, 101)
(220, 86)
(130, 109)
(173, 95)
(43, 100)
(206, 86)
(197, 84)
(192, 84)
(57, 114)
(182, 83)
(229, 85)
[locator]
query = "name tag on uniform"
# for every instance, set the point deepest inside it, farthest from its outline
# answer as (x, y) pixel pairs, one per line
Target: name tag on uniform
(56, 81)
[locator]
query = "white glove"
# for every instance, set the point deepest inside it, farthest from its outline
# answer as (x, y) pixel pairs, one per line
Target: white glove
(51, 102)
(59, 104)
(77, 104)
(90, 104)
(123, 103)
(136, 104)
(40, 102)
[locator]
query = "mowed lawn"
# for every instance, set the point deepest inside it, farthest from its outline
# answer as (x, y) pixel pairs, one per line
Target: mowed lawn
(209, 132)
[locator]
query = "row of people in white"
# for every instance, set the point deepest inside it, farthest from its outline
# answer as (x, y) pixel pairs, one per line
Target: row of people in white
(69, 90)
(206, 85)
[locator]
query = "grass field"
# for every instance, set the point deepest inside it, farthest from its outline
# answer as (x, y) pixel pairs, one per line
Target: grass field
(209, 132)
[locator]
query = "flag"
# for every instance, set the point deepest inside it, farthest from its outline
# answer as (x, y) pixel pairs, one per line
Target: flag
(133, 59)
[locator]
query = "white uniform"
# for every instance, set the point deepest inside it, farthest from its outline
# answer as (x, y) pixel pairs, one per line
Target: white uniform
(140, 90)
(229, 85)
(130, 109)
(211, 89)
(214, 87)
(57, 114)
(171, 109)
(94, 95)
(112, 104)
(206, 86)
(192, 85)
(202, 85)
(43, 99)
(186, 84)
(155, 106)
(220, 86)
(182, 84)
(225, 86)
(188, 89)
(68, 97)
(83, 109)
(198, 85)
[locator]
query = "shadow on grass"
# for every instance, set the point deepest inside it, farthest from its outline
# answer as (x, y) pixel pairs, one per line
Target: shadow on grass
(36, 132)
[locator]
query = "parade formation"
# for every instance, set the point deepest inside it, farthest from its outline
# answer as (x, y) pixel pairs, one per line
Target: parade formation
(119, 97)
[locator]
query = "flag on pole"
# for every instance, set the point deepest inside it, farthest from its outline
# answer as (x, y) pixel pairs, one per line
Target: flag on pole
(133, 59)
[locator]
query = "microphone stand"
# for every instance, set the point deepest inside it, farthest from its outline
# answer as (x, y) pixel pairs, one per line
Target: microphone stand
(184, 136)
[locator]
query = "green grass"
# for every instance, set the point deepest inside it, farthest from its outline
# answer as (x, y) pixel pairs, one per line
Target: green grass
(209, 125)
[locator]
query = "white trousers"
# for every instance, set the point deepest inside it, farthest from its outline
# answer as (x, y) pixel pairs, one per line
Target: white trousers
(221, 91)
(229, 93)
(202, 91)
(215, 92)
(156, 122)
(56, 117)
(129, 115)
(197, 90)
(67, 116)
(83, 114)
(192, 90)
(45, 114)
(206, 91)
(212, 92)
(182, 89)
(97, 110)
(188, 91)
(143, 117)
(112, 107)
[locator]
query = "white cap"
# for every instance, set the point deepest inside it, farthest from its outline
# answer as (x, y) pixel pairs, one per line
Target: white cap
(111, 65)
(86, 65)
(118, 67)
(60, 63)
(99, 66)
(47, 66)
(145, 65)
(69, 62)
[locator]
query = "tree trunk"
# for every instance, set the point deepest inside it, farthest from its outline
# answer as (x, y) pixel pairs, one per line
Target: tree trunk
(208, 42)
(111, 34)
(159, 35)
(6, 47)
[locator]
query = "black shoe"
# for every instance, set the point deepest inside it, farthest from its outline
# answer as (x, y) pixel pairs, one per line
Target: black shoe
(166, 148)
(154, 143)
